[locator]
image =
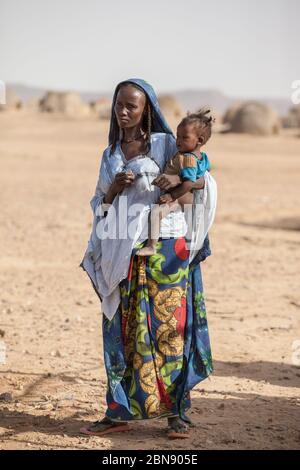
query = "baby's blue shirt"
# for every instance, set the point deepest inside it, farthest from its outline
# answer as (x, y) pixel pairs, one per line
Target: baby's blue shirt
(189, 173)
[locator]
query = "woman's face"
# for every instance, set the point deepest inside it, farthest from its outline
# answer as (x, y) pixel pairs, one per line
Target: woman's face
(129, 106)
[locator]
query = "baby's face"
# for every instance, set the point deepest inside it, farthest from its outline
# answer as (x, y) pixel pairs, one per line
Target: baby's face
(187, 138)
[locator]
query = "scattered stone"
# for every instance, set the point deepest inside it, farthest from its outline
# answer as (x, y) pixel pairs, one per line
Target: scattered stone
(56, 353)
(46, 406)
(67, 396)
(6, 396)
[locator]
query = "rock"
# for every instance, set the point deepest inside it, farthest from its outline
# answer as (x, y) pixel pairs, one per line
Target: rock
(46, 406)
(6, 396)
(56, 353)
(67, 396)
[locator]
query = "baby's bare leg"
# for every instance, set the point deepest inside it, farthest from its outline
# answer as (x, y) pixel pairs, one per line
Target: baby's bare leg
(187, 198)
(158, 213)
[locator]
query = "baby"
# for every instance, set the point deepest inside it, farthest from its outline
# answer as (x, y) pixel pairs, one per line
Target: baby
(189, 163)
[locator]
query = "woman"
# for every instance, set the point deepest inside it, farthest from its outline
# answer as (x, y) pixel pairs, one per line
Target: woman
(155, 336)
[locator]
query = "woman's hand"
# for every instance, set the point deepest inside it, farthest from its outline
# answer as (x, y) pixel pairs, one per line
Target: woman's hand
(167, 181)
(123, 180)
(199, 183)
(165, 198)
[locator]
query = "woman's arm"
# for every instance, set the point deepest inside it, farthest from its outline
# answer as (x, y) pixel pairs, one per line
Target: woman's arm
(199, 183)
(110, 195)
(121, 181)
(182, 189)
(168, 182)
(183, 192)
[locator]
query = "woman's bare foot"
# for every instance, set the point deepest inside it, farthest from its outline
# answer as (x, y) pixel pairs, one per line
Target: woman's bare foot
(105, 426)
(177, 429)
(189, 422)
(146, 251)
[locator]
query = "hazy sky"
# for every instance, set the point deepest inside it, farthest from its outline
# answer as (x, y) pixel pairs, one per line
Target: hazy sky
(242, 47)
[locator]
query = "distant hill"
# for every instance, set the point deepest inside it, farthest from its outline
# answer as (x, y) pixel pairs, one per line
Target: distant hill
(190, 99)
(27, 93)
(193, 99)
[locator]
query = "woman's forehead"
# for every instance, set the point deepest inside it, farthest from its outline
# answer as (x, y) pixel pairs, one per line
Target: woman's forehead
(130, 93)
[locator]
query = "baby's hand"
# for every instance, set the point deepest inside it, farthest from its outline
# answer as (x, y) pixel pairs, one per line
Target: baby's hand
(166, 182)
(165, 198)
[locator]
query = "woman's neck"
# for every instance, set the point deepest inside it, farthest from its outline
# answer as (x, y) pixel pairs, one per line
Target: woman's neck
(132, 132)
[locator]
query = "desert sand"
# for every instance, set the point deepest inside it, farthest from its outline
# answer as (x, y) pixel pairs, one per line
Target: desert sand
(50, 317)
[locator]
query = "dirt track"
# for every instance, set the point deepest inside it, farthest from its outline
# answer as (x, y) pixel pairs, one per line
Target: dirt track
(51, 316)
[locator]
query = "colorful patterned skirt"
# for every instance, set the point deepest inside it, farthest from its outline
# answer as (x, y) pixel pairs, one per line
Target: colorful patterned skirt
(156, 348)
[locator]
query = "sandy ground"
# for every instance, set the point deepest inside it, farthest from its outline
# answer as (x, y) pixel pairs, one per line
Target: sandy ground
(50, 316)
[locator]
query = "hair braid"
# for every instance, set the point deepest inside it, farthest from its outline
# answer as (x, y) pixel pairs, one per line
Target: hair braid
(149, 125)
